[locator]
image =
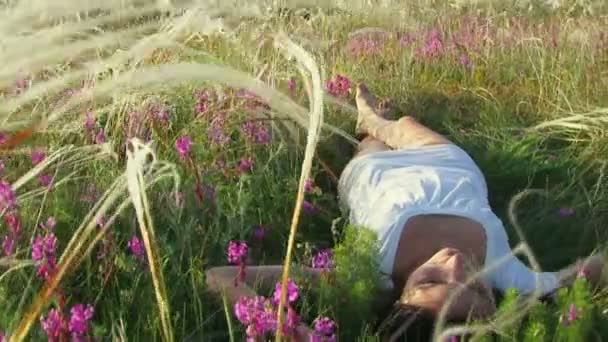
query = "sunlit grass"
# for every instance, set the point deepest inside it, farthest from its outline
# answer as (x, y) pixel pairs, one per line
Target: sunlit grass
(529, 105)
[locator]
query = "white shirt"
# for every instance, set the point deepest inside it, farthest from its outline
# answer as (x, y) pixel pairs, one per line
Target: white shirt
(383, 190)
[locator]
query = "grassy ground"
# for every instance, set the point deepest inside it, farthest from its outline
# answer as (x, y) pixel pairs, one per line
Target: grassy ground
(525, 93)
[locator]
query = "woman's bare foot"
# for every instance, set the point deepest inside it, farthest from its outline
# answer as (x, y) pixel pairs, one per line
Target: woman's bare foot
(367, 105)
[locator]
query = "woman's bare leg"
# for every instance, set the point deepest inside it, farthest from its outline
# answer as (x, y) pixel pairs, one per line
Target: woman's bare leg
(397, 134)
(370, 144)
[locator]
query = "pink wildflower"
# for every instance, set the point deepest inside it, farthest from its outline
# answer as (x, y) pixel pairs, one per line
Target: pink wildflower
(49, 224)
(8, 200)
(137, 247)
(257, 132)
(325, 329)
(216, 132)
(237, 251)
(8, 245)
(53, 325)
(566, 211)
(43, 253)
(100, 137)
(182, 144)
(571, 316)
(14, 223)
(244, 164)
(80, 315)
(309, 185)
(465, 61)
(323, 259)
(308, 207)
(37, 156)
(45, 180)
(291, 84)
(202, 102)
(259, 232)
(292, 292)
(339, 86)
(89, 122)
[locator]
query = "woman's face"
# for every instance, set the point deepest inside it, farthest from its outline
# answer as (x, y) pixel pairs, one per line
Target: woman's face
(444, 275)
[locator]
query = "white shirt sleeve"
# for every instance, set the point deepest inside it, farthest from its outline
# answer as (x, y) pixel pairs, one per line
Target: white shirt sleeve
(507, 271)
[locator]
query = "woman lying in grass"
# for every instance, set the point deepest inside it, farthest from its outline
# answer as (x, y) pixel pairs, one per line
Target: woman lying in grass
(427, 201)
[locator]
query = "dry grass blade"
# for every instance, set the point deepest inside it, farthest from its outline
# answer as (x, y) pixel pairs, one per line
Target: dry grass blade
(87, 235)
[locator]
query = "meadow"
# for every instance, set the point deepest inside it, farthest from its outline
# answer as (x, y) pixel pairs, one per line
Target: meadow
(140, 141)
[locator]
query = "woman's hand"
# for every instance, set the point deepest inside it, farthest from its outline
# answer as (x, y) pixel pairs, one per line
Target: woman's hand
(592, 268)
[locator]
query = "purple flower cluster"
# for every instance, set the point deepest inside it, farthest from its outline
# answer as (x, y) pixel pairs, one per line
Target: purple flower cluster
(9, 241)
(49, 224)
(22, 83)
(433, 45)
(93, 130)
(244, 165)
(339, 86)
(203, 98)
(237, 251)
(323, 259)
(216, 131)
(309, 186)
(259, 232)
(80, 316)
(43, 253)
(257, 132)
(136, 246)
(259, 314)
(237, 254)
(160, 112)
(37, 157)
(55, 325)
(182, 145)
(292, 292)
(365, 44)
(571, 316)
(8, 199)
(291, 84)
(308, 207)
(566, 211)
(325, 330)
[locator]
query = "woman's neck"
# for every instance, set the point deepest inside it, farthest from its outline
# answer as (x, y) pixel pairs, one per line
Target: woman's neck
(424, 235)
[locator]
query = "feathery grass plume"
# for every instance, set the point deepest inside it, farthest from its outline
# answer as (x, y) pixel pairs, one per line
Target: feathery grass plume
(306, 64)
(137, 154)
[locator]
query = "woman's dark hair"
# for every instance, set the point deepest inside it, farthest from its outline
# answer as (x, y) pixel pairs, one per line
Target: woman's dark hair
(406, 321)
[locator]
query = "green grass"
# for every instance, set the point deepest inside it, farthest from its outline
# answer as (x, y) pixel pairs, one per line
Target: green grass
(491, 109)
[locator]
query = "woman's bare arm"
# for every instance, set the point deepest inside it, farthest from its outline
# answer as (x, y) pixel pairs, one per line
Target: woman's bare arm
(221, 279)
